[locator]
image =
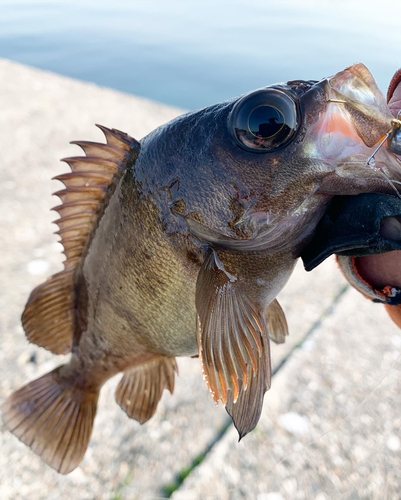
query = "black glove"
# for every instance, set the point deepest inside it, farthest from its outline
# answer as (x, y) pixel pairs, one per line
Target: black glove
(356, 226)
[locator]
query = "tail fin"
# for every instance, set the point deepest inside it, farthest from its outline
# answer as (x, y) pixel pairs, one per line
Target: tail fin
(53, 418)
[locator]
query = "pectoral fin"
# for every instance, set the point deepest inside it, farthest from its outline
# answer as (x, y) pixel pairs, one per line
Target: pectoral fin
(246, 411)
(233, 344)
(276, 322)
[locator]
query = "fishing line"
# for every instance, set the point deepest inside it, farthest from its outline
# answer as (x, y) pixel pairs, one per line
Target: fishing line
(391, 183)
(396, 124)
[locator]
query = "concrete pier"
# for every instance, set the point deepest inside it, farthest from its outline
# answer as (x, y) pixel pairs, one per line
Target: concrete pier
(331, 424)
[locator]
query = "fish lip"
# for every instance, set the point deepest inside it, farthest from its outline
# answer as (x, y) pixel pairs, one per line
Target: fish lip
(356, 90)
(358, 177)
(357, 72)
(394, 83)
(356, 120)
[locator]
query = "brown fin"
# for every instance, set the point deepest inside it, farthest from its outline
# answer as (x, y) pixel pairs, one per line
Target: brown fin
(76, 208)
(49, 319)
(92, 164)
(233, 343)
(246, 411)
(87, 178)
(103, 151)
(141, 387)
(54, 419)
(49, 316)
(276, 322)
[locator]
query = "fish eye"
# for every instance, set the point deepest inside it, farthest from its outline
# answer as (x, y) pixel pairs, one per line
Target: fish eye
(264, 121)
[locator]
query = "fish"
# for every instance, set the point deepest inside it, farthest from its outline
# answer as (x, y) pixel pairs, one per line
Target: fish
(178, 244)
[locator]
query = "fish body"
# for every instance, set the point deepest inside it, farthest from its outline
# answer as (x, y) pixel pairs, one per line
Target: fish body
(179, 244)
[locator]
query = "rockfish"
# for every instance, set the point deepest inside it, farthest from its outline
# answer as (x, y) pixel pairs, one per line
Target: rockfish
(177, 245)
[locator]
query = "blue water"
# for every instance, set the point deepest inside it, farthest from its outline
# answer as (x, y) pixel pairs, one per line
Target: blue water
(192, 53)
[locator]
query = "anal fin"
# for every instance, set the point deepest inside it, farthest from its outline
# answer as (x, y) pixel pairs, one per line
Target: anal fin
(277, 326)
(141, 387)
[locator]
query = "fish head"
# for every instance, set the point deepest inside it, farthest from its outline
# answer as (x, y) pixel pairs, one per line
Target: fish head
(256, 173)
(348, 135)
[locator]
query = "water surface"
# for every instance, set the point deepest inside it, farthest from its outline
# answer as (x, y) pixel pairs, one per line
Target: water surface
(192, 53)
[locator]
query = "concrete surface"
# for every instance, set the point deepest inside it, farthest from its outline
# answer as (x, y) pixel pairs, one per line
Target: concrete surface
(330, 426)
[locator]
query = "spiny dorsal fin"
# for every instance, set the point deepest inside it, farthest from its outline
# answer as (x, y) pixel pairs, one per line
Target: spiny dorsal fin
(49, 318)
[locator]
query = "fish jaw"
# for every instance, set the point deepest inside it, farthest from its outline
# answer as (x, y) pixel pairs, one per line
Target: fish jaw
(354, 123)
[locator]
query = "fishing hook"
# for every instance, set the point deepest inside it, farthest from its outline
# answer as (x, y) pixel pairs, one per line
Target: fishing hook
(372, 157)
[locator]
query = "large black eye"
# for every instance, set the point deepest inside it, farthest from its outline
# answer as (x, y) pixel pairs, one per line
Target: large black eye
(265, 120)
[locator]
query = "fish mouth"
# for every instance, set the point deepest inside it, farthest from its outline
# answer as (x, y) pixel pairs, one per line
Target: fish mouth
(382, 272)
(356, 121)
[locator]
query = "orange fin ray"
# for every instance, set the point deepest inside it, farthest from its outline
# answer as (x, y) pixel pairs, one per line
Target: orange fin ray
(246, 410)
(52, 419)
(233, 344)
(141, 387)
(49, 318)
